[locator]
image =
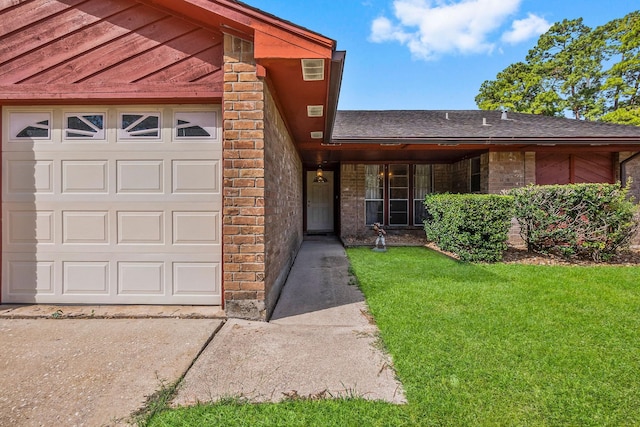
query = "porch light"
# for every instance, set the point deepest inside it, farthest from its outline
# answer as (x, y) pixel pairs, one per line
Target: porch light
(319, 176)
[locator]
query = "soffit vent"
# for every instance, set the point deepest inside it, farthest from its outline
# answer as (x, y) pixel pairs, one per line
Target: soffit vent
(312, 69)
(315, 110)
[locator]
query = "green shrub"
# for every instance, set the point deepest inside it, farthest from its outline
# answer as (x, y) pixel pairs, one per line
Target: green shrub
(473, 226)
(585, 220)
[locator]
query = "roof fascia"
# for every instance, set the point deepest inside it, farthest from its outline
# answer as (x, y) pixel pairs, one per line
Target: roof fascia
(491, 140)
(335, 85)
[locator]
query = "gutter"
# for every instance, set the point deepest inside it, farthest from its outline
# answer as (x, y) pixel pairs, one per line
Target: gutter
(335, 84)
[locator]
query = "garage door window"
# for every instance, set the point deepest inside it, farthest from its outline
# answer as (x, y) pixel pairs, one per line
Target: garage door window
(136, 126)
(196, 125)
(82, 126)
(30, 126)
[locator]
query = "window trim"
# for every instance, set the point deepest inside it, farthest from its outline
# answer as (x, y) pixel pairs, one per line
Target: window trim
(410, 200)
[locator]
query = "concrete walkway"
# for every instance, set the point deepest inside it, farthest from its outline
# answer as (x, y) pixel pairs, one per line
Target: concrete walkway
(319, 343)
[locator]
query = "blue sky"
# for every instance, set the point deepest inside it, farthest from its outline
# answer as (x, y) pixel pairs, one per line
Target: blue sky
(432, 54)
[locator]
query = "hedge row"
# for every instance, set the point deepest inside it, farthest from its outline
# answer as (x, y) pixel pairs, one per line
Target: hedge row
(585, 220)
(473, 226)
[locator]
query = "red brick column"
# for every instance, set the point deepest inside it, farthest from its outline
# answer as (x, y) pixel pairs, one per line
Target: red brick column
(243, 206)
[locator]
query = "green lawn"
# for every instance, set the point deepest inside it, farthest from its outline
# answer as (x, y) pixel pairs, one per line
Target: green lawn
(487, 345)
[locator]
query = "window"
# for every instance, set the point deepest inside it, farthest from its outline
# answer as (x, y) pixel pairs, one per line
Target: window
(422, 185)
(84, 126)
(374, 194)
(395, 193)
(196, 125)
(475, 175)
(139, 126)
(398, 194)
(30, 126)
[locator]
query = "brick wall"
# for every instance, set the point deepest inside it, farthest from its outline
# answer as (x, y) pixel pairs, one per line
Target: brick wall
(262, 225)
(632, 171)
(244, 194)
(352, 193)
(442, 179)
(284, 214)
(460, 177)
(509, 170)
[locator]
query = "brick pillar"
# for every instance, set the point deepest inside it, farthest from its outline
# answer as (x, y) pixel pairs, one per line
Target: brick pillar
(509, 170)
(243, 207)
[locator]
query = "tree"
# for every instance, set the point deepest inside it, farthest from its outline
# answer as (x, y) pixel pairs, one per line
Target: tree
(621, 88)
(515, 89)
(623, 116)
(569, 59)
(565, 73)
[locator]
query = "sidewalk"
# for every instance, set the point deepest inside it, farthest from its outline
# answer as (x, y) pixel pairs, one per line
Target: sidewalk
(319, 342)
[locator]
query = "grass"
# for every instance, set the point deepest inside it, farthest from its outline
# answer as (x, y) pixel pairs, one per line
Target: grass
(487, 345)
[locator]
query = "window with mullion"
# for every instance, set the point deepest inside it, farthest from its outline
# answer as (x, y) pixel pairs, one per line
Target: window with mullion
(422, 185)
(374, 194)
(398, 194)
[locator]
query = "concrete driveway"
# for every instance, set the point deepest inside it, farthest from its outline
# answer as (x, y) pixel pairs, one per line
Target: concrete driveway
(91, 372)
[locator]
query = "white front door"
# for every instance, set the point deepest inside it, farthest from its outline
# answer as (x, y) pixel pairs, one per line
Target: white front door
(111, 205)
(320, 203)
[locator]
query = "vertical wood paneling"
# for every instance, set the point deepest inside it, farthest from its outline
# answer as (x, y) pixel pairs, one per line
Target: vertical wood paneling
(552, 168)
(594, 167)
(558, 168)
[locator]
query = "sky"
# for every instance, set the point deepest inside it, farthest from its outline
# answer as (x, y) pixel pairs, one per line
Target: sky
(432, 54)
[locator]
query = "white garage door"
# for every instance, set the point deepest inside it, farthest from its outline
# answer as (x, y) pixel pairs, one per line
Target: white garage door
(111, 205)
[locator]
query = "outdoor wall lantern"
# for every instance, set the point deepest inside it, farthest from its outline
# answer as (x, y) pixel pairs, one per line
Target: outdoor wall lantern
(319, 176)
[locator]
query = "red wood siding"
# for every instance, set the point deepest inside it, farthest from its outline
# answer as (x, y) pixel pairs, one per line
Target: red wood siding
(51, 44)
(562, 168)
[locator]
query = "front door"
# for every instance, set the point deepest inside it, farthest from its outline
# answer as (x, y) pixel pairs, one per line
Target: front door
(320, 203)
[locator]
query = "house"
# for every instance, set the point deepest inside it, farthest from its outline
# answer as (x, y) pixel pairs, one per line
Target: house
(178, 151)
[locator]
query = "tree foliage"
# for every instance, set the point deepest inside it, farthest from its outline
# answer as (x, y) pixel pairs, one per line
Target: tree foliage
(589, 73)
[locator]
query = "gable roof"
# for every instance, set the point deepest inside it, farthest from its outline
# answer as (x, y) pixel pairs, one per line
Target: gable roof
(474, 126)
(150, 51)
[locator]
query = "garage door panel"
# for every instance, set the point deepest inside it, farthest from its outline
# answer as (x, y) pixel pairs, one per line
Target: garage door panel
(85, 277)
(89, 227)
(27, 277)
(29, 227)
(135, 228)
(136, 279)
(85, 176)
(191, 278)
(140, 176)
(29, 176)
(112, 222)
(141, 228)
(196, 228)
(196, 176)
(141, 278)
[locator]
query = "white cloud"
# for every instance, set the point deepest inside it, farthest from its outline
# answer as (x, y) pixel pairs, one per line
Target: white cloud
(525, 29)
(431, 28)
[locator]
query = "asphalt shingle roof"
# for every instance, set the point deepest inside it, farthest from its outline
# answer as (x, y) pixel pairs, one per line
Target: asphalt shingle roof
(468, 125)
